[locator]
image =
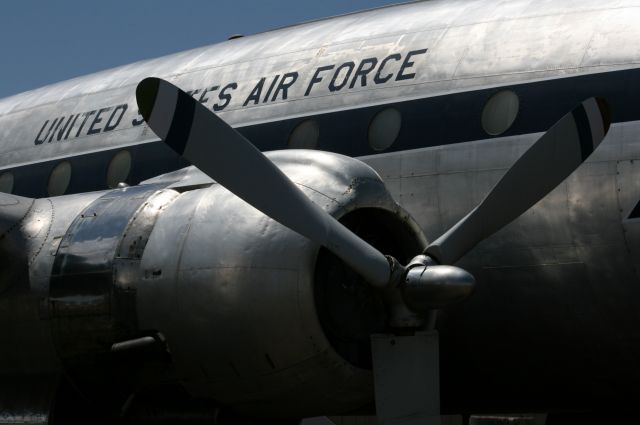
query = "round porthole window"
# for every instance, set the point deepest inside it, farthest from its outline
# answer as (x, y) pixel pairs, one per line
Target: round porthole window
(59, 179)
(305, 135)
(6, 182)
(119, 168)
(500, 112)
(384, 129)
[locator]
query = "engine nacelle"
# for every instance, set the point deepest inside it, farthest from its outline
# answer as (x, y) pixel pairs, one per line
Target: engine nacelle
(259, 317)
(189, 285)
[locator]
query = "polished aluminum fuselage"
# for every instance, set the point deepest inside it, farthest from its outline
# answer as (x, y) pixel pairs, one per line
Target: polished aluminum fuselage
(470, 46)
(554, 320)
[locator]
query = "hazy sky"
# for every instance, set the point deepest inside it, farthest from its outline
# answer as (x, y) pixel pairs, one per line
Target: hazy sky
(43, 42)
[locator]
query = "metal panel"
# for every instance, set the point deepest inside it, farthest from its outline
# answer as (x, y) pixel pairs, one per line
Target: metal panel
(233, 292)
(557, 290)
(407, 378)
(92, 293)
(466, 46)
(628, 188)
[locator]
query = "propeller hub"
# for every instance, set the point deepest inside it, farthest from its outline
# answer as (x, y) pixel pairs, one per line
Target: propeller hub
(428, 286)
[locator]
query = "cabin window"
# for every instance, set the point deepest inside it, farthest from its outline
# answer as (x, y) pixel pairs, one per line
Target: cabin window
(305, 135)
(6, 182)
(500, 112)
(59, 179)
(119, 168)
(384, 129)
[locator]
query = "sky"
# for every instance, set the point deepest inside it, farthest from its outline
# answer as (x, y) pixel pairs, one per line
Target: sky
(47, 41)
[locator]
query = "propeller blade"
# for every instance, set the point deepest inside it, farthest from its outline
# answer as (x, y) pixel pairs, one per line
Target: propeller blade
(209, 143)
(539, 170)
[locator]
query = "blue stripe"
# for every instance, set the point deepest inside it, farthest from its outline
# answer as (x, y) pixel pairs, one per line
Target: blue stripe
(434, 121)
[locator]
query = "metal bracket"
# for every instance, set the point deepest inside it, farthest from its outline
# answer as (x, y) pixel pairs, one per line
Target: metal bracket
(407, 378)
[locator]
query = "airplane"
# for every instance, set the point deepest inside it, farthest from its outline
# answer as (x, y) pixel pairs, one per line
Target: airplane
(444, 221)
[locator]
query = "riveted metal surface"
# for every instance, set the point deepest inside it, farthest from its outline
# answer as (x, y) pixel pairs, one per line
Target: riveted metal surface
(233, 292)
(126, 264)
(13, 261)
(463, 43)
(91, 296)
(556, 305)
(628, 191)
(557, 289)
(28, 349)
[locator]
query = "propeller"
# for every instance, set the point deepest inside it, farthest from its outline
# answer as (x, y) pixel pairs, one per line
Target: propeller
(550, 160)
(428, 281)
(209, 143)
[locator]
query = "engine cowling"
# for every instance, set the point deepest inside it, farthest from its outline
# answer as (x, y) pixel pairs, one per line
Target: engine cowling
(222, 300)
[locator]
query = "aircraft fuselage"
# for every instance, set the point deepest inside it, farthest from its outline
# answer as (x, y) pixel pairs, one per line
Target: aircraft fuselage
(553, 323)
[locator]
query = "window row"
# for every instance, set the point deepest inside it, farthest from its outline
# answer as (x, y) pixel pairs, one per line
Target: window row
(60, 176)
(498, 114)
